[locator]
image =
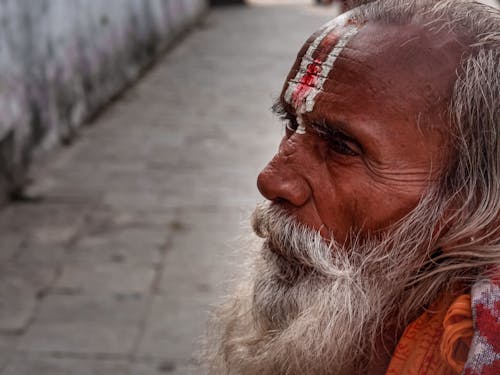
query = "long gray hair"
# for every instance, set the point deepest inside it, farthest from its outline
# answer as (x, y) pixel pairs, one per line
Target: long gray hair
(468, 194)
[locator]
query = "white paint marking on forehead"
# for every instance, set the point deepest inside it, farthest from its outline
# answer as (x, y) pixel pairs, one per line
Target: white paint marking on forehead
(328, 65)
(307, 58)
(301, 129)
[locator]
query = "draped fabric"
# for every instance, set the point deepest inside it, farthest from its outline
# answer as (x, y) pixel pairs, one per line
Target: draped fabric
(458, 338)
(418, 351)
(484, 355)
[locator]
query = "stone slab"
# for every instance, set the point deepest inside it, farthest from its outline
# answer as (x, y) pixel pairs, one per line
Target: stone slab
(131, 244)
(26, 364)
(20, 286)
(175, 326)
(164, 367)
(205, 255)
(99, 221)
(47, 223)
(10, 246)
(106, 324)
(106, 278)
(8, 346)
(8, 342)
(45, 255)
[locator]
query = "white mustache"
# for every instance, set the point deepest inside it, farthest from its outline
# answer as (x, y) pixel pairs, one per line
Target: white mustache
(297, 245)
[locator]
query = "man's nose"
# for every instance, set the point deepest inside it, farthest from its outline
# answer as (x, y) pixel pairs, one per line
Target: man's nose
(281, 179)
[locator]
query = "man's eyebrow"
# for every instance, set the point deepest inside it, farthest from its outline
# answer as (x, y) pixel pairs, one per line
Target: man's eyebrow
(334, 128)
(278, 108)
(327, 127)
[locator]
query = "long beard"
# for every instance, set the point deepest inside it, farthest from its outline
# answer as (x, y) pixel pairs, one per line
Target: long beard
(312, 307)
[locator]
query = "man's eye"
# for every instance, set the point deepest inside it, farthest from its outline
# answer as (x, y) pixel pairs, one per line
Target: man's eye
(342, 147)
(338, 141)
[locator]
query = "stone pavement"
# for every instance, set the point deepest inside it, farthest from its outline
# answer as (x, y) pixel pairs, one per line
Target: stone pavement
(113, 269)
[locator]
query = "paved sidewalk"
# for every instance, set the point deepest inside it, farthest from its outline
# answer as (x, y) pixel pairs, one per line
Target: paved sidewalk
(114, 269)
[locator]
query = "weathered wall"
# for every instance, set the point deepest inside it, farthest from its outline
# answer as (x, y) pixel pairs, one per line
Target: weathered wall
(60, 60)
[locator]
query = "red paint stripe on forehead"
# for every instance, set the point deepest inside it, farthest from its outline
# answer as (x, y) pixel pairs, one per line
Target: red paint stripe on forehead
(316, 61)
(306, 83)
(310, 77)
(325, 47)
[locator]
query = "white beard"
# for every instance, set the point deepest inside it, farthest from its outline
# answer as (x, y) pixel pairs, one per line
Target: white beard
(309, 307)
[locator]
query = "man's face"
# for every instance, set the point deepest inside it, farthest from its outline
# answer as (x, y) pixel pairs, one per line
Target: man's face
(364, 106)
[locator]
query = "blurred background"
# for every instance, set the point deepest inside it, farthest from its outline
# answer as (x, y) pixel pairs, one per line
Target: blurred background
(131, 135)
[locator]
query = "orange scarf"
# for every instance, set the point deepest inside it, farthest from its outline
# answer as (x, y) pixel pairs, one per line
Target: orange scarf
(437, 342)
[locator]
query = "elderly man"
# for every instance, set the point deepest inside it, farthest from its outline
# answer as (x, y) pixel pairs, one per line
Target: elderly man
(381, 231)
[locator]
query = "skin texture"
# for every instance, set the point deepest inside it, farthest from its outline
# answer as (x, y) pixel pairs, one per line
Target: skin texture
(382, 109)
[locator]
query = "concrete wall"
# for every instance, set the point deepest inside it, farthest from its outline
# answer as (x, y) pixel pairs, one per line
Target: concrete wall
(60, 60)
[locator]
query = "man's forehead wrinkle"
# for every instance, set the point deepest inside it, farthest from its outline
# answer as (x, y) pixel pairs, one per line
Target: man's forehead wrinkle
(342, 56)
(332, 77)
(349, 61)
(308, 85)
(326, 46)
(349, 67)
(419, 66)
(328, 43)
(312, 46)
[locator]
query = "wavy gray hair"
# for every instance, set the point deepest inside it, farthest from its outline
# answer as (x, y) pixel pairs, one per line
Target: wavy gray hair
(469, 190)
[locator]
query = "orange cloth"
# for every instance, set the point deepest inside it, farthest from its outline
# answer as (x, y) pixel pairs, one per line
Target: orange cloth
(437, 342)
(458, 331)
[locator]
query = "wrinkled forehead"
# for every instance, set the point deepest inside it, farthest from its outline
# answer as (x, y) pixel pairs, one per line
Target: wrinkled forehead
(401, 70)
(316, 60)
